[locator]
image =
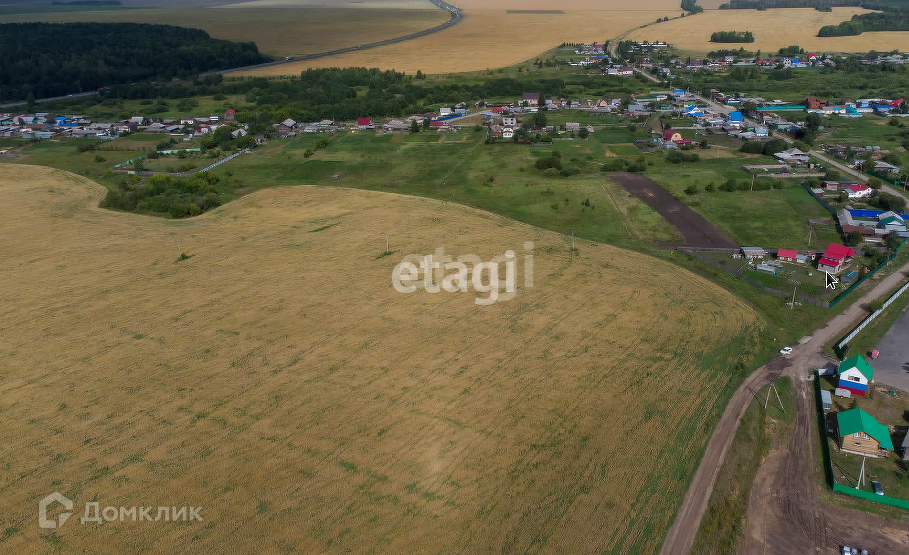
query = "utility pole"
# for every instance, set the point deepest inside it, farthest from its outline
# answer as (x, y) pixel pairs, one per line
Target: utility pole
(795, 286)
(752, 181)
(861, 477)
(386, 243)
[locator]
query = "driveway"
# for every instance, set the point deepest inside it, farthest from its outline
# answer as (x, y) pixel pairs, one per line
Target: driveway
(892, 366)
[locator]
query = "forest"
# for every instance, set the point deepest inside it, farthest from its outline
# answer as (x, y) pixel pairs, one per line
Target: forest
(884, 21)
(732, 36)
(55, 59)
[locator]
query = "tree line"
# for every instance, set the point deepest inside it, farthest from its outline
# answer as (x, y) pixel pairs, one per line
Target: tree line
(691, 6)
(55, 59)
(884, 21)
(732, 36)
(820, 5)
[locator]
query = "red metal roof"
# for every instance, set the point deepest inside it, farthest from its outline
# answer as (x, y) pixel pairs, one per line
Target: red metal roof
(838, 252)
(858, 187)
(786, 253)
(436, 123)
(363, 121)
(668, 134)
(828, 262)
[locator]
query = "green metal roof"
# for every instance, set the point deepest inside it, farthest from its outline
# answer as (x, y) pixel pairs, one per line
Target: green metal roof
(858, 361)
(893, 220)
(857, 420)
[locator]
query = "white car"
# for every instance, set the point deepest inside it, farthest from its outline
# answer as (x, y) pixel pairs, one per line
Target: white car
(786, 351)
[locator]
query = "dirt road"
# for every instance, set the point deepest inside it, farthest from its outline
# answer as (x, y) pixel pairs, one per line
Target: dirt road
(786, 512)
(697, 231)
(799, 500)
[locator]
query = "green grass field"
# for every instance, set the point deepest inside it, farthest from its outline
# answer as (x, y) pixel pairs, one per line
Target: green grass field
(777, 218)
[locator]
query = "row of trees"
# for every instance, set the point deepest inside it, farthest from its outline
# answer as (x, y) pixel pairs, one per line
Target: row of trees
(820, 5)
(885, 21)
(732, 36)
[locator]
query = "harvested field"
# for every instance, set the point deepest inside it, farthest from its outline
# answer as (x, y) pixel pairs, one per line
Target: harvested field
(278, 380)
(351, 4)
(477, 43)
(698, 232)
(773, 29)
(276, 31)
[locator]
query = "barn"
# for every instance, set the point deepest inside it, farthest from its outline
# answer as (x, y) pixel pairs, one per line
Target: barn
(860, 433)
(855, 374)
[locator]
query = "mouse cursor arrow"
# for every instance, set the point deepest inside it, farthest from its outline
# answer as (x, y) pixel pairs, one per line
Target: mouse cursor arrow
(830, 280)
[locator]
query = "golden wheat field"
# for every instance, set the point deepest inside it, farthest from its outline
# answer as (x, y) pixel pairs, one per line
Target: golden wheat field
(276, 31)
(277, 379)
(484, 39)
(773, 29)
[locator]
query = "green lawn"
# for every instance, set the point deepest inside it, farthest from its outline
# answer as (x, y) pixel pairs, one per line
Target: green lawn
(500, 178)
(777, 218)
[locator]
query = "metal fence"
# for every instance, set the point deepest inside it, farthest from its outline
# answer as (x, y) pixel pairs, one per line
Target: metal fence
(819, 199)
(869, 319)
(869, 274)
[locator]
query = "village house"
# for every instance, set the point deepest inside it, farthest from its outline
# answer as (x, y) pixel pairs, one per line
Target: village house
(531, 99)
(861, 434)
(230, 114)
(855, 374)
(753, 252)
(572, 127)
(364, 123)
(891, 221)
(287, 125)
(835, 259)
(858, 190)
(507, 132)
(786, 255)
(672, 136)
(509, 121)
(792, 156)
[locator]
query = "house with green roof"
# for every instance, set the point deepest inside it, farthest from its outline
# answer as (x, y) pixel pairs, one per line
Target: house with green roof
(861, 434)
(855, 374)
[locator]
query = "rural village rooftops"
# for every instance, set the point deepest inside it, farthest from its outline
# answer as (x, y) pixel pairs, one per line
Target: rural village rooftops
(856, 420)
(786, 253)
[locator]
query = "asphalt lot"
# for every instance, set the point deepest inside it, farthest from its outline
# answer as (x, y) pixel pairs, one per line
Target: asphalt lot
(892, 366)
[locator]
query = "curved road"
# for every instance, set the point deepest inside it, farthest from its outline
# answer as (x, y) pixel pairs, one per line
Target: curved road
(687, 521)
(455, 17)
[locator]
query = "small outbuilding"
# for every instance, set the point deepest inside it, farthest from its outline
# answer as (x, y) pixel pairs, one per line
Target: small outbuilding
(826, 400)
(905, 447)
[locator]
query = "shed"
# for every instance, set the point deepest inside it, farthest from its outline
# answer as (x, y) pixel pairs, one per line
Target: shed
(905, 447)
(840, 392)
(786, 254)
(826, 399)
(753, 252)
(849, 277)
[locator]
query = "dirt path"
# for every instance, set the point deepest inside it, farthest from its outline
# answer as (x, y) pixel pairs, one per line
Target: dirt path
(697, 231)
(790, 485)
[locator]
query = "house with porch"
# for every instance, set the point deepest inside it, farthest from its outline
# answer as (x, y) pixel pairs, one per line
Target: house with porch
(861, 434)
(858, 190)
(835, 259)
(786, 255)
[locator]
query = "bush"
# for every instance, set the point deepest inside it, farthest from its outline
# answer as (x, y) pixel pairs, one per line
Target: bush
(677, 157)
(710, 187)
(549, 162)
(569, 171)
(753, 148)
(691, 190)
(99, 158)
